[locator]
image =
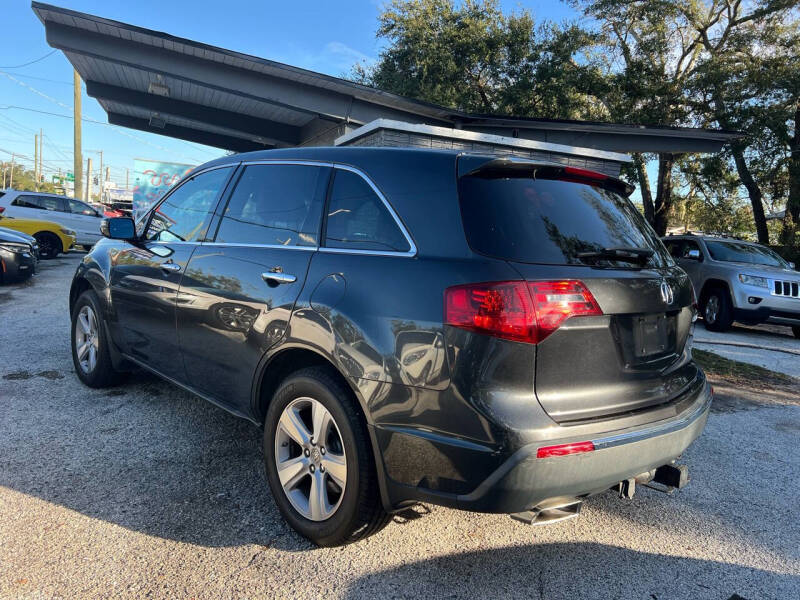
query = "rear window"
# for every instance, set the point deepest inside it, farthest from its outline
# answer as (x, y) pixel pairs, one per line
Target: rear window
(551, 222)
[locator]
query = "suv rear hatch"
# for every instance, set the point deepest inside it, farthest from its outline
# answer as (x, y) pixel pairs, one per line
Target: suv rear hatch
(558, 224)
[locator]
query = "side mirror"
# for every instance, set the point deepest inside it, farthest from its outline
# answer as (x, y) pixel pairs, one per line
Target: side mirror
(791, 264)
(693, 255)
(118, 228)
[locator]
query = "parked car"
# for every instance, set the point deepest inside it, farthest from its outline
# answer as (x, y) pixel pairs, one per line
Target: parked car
(51, 237)
(408, 326)
(70, 214)
(740, 281)
(18, 256)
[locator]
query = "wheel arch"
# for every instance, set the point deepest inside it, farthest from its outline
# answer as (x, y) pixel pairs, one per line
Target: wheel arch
(710, 284)
(289, 359)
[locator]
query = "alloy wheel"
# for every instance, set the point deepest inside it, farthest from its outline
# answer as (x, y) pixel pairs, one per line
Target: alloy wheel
(712, 309)
(310, 459)
(87, 339)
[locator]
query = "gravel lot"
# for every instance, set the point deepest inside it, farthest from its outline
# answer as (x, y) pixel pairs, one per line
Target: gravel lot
(145, 491)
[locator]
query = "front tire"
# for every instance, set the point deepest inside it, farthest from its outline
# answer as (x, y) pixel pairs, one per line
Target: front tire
(717, 310)
(90, 352)
(319, 460)
(49, 244)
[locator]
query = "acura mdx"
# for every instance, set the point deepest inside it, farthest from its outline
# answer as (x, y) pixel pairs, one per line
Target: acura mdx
(488, 334)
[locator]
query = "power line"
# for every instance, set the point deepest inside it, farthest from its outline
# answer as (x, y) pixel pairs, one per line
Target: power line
(33, 61)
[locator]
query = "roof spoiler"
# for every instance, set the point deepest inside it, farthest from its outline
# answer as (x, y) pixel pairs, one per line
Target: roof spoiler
(519, 167)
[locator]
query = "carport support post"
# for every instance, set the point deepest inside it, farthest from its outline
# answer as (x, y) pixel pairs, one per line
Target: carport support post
(77, 161)
(36, 162)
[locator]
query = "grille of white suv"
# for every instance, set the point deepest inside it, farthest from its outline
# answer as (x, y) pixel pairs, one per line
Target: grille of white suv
(786, 288)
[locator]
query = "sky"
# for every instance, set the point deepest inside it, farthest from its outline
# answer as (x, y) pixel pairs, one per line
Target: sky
(328, 37)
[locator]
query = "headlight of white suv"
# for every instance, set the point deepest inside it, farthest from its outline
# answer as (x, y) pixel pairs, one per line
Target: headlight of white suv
(753, 280)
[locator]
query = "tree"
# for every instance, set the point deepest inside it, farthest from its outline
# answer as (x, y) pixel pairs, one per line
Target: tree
(472, 57)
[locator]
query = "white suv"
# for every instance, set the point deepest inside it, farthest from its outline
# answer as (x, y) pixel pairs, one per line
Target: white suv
(69, 213)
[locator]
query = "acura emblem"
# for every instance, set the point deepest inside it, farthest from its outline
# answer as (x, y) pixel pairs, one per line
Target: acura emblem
(666, 292)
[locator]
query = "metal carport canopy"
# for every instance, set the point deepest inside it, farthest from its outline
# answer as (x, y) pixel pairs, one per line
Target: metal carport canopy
(156, 82)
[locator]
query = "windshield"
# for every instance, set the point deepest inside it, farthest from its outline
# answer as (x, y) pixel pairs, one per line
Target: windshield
(552, 222)
(745, 253)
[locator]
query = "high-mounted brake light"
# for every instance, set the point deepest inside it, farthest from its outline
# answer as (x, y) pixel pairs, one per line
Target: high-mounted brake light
(517, 310)
(564, 449)
(585, 173)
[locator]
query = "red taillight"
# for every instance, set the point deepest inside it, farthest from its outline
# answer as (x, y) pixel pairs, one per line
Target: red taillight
(564, 449)
(517, 310)
(2, 209)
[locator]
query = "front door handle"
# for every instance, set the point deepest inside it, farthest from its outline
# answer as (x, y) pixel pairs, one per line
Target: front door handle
(277, 278)
(170, 267)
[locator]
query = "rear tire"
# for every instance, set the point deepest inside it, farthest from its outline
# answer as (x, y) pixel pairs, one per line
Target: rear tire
(90, 352)
(351, 512)
(717, 310)
(49, 244)
(796, 331)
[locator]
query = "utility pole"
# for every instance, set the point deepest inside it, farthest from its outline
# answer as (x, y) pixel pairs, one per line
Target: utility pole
(11, 180)
(100, 176)
(126, 178)
(77, 163)
(36, 161)
(88, 180)
(41, 151)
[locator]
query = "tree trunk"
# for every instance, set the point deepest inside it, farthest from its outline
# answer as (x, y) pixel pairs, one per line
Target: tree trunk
(792, 218)
(753, 191)
(663, 201)
(644, 186)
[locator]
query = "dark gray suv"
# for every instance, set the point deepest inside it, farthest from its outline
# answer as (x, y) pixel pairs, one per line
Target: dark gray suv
(489, 334)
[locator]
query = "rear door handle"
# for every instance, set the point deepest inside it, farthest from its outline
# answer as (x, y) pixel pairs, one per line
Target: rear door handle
(278, 278)
(170, 267)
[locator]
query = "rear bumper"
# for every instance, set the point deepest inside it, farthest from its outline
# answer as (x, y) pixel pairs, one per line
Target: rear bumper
(519, 480)
(524, 481)
(17, 266)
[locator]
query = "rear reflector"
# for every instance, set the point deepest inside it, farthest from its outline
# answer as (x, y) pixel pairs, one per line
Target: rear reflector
(564, 449)
(517, 310)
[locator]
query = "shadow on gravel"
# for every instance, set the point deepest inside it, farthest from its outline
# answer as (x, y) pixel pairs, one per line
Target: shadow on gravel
(145, 456)
(571, 570)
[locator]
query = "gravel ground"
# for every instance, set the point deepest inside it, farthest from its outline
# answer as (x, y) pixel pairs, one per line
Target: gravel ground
(766, 345)
(144, 491)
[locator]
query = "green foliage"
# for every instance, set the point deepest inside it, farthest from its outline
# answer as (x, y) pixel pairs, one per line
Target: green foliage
(23, 179)
(470, 56)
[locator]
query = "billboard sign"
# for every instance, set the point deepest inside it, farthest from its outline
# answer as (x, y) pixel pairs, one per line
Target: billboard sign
(152, 179)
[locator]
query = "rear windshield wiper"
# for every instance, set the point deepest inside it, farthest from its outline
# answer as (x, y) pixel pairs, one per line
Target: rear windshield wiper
(631, 255)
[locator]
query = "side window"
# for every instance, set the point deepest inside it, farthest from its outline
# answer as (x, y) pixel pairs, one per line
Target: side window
(690, 245)
(276, 205)
(674, 248)
(358, 219)
(184, 215)
(28, 202)
(77, 207)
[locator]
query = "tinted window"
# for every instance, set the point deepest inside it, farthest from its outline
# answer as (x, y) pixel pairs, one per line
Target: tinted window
(745, 253)
(41, 202)
(184, 214)
(79, 208)
(688, 246)
(276, 205)
(674, 247)
(358, 219)
(551, 221)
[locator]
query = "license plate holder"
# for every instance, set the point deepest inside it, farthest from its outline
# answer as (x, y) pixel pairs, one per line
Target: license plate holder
(651, 335)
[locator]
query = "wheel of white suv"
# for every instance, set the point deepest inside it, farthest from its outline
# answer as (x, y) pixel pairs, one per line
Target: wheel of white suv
(319, 460)
(717, 311)
(90, 353)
